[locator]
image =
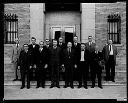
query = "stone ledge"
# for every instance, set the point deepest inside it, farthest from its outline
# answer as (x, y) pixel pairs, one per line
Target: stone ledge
(48, 83)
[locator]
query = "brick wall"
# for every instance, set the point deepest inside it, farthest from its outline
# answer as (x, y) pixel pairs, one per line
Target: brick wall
(102, 10)
(22, 10)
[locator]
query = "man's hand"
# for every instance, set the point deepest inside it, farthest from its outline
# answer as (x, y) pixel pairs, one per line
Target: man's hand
(12, 61)
(18, 67)
(30, 67)
(62, 65)
(75, 66)
(35, 66)
(46, 66)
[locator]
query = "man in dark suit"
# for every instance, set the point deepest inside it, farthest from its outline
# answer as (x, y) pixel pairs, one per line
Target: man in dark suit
(62, 46)
(34, 49)
(47, 46)
(76, 47)
(110, 52)
(42, 64)
(97, 69)
(83, 71)
(69, 62)
(54, 53)
(90, 46)
(25, 63)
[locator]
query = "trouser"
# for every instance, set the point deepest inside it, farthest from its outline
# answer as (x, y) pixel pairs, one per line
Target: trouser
(110, 68)
(33, 75)
(96, 71)
(55, 74)
(83, 73)
(40, 73)
(68, 75)
(89, 68)
(25, 73)
(16, 70)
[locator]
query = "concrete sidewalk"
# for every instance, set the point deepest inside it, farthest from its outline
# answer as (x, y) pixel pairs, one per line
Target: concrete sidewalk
(108, 92)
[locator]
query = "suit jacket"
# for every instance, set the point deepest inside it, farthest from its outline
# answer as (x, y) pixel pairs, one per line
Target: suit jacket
(42, 57)
(63, 46)
(106, 53)
(54, 55)
(97, 56)
(90, 50)
(77, 51)
(69, 59)
(15, 52)
(25, 59)
(34, 52)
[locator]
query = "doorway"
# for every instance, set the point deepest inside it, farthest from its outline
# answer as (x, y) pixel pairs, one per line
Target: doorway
(67, 32)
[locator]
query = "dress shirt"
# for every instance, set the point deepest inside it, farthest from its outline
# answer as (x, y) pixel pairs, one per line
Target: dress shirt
(82, 56)
(111, 50)
(33, 45)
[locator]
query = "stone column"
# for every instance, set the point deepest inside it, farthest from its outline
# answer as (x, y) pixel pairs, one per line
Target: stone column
(87, 21)
(37, 21)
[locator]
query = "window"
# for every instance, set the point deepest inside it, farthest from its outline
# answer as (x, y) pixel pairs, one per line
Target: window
(10, 28)
(114, 28)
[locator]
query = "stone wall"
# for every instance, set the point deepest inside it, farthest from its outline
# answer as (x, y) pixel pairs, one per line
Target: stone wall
(102, 10)
(22, 10)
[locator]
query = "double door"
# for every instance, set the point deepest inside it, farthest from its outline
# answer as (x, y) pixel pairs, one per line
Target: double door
(66, 32)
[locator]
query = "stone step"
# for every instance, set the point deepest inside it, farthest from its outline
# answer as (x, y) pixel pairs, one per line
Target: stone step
(62, 83)
(8, 67)
(120, 76)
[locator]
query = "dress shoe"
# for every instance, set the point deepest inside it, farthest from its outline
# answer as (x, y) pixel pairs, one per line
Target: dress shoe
(79, 86)
(92, 86)
(72, 87)
(85, 87)
(58, 86)
(15, 80)
(113, 80)
(37, 86)
(22, 87)
(42, 86)
(65, 86)
(51, 86)
(100, 87)
(28, 87)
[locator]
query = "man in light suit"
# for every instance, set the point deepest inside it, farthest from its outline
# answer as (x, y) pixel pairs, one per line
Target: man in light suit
(90, 46)
(110, 52)
(15, 57)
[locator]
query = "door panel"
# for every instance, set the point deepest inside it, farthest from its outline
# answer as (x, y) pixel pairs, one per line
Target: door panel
(67, 32)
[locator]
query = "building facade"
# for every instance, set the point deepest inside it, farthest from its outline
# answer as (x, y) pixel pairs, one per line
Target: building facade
(41, 21)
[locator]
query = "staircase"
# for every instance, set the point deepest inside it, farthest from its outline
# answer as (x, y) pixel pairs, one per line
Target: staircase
(9, 72)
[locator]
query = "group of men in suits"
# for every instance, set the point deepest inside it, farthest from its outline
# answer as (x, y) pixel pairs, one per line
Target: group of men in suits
(75, 59)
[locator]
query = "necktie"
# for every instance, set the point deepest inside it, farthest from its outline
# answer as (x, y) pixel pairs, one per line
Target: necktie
(110, 48)
(69, 50)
